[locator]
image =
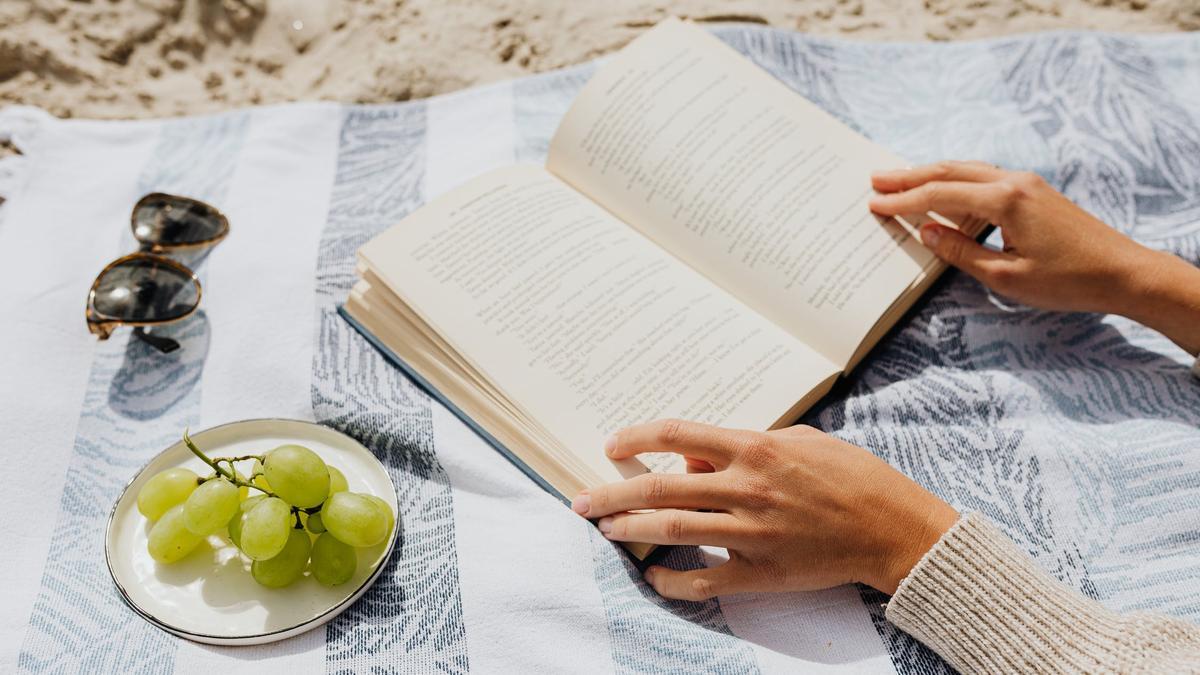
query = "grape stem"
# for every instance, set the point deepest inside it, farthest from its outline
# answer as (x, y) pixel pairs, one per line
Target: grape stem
(216, 465)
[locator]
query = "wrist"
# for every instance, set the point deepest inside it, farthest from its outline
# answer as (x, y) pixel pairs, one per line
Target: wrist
(906, 533)
(1165, 296)
(1129, 280)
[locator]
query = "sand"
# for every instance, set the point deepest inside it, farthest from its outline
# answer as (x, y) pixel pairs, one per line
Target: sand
(143, 58)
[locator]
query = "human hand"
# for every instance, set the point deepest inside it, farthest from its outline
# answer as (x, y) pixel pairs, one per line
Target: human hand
(1056, 255)
(797, 510)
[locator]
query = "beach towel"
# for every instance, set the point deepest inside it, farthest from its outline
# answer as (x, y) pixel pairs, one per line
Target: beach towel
(1078, 434)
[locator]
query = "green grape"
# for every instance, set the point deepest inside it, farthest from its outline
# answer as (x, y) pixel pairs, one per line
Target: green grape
(210, 506)
(337, 480)
(265, 529)
(164, 490)
(387, 510)
(170, 539)
(285, 567)
(243, 492)
(333, 562)
(354, 519)
(314, 523)
(260, 480)
(297, 475)
(235, 523)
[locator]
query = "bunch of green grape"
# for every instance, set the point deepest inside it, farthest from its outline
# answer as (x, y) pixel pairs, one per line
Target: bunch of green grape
(302, 517)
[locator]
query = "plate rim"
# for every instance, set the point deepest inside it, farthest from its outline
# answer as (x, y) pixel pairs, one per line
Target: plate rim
(256, 638)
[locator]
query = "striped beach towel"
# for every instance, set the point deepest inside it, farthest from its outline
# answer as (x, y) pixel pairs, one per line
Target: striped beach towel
(1078, 434)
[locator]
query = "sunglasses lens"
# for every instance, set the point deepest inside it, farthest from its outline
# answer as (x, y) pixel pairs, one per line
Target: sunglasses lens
(144, 289)
(174, 221)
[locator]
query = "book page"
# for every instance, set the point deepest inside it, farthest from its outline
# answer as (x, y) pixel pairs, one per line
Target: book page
(743, 179)
(581, 322)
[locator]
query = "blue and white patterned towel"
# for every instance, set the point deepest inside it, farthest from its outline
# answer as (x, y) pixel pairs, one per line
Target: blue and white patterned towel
(1077, 434)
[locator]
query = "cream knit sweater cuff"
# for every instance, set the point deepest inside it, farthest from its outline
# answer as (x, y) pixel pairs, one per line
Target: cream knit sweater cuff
(985, 606)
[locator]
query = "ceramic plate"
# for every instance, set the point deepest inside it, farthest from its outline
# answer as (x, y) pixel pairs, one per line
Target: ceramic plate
(209, 596)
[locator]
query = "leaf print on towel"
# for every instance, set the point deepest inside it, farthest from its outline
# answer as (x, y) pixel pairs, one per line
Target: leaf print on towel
(1126, 149)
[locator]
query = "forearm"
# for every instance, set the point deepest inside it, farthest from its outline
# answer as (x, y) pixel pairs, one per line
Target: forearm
(985, 606)
(1164, 294)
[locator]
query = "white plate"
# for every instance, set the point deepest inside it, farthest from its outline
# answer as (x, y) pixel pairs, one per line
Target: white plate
(209, 596)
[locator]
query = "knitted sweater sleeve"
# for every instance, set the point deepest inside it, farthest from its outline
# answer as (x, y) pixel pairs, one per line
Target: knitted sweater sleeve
(986, 607)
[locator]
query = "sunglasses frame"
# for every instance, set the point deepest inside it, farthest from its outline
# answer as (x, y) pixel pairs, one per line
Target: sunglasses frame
(102, 325)
(155, 247)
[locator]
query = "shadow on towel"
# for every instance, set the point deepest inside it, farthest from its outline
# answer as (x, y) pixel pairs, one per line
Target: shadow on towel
(148, 382)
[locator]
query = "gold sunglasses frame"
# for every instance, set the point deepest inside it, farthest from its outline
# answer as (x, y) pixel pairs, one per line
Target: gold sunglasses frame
(102, 325)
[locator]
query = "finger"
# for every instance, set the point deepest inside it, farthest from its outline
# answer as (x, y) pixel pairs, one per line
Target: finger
(655, 491)
(698, 465)
(673, 527)
(907, 179)
(714, 445)
(700, 584)
(965, 253)
(950, 199)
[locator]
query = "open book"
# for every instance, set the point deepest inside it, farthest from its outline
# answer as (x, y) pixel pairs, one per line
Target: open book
(698, 245)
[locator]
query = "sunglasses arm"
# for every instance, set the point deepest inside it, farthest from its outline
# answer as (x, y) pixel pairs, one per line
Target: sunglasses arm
(163, 344)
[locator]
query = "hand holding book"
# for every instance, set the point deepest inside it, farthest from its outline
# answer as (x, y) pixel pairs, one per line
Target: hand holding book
(797, 509)
(1056, 255)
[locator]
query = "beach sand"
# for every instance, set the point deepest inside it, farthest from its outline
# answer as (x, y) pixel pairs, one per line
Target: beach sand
(144, 58)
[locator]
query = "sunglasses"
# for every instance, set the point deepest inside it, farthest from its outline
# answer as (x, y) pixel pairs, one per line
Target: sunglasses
(147, 288)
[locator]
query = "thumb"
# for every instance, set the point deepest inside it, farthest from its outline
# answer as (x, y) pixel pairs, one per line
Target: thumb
(962, 251)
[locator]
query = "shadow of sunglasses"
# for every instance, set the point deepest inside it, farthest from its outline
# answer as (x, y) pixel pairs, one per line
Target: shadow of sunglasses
(147, 288)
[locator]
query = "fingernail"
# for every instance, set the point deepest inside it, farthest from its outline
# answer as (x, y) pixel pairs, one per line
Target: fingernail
(649, 575)
(930, 235)
(610, 445)
(877, 202)
(605, 524)
(581, 503)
